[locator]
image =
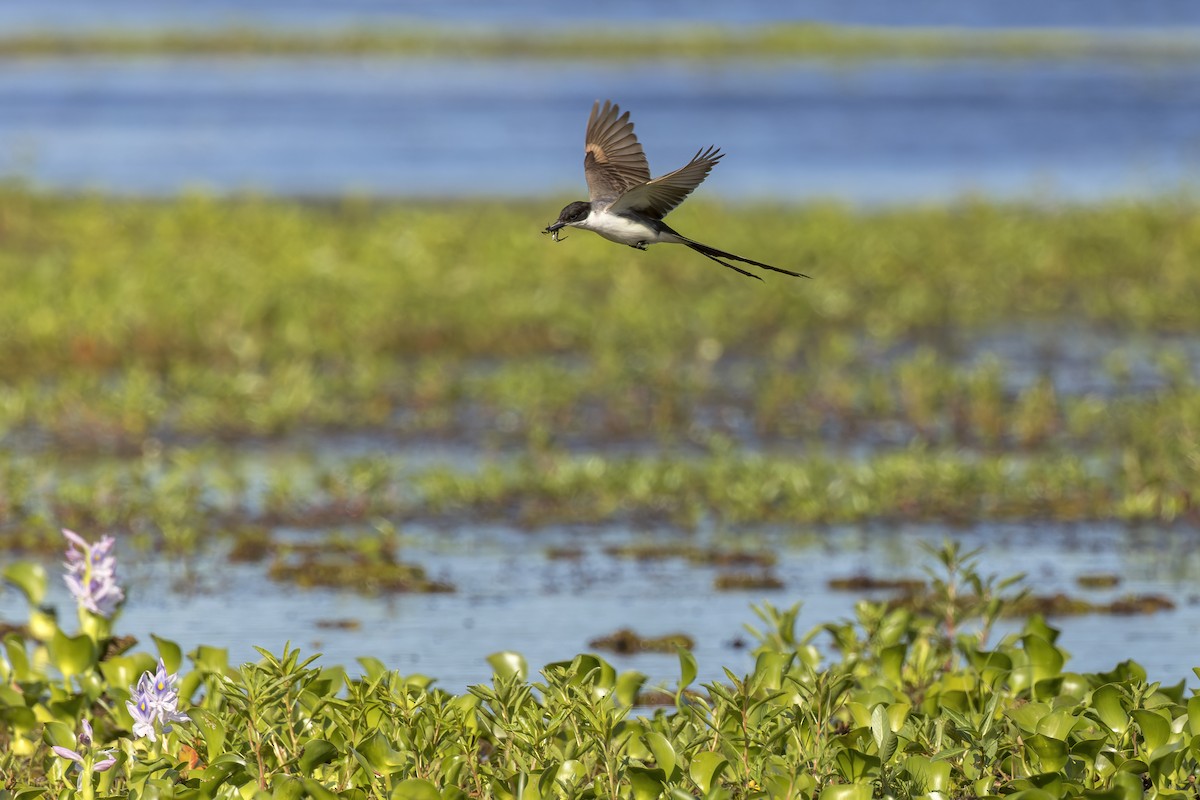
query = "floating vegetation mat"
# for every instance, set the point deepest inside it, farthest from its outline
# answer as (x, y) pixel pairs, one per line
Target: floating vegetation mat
(696, 42)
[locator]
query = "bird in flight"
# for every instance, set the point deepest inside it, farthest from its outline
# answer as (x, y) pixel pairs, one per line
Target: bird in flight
(624, 204)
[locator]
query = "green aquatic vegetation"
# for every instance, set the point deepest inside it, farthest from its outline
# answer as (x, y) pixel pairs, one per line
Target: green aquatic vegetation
(176, 507)
(777, 41)
(904, 702)
(366, 564)
(626, 641)
(130, 324)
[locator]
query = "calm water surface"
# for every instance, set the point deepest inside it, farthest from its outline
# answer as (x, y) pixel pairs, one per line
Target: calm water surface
(512, 596)
(874, 132)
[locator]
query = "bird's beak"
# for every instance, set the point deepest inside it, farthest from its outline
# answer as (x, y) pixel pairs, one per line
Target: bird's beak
(553, 226)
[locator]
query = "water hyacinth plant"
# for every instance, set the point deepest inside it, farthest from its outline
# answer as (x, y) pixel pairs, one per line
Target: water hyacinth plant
(85, 759)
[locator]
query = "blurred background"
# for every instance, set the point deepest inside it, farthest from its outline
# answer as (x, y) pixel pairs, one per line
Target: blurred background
(864, 129)
(1109, 121)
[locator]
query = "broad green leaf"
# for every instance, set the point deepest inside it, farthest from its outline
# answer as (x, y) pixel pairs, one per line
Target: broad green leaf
(1057, 724)
(373, 668)
(59, 734)
(664, 753)
(629, 686)
(169, 652)
(124, 671)
(316, 752)
(211, 659)
(379, 753)
(688, 669)
(848, 791)
(508, 664)
(286, 787)
(1045, 660)
(1028, 716)
(1193, 713)
(647, 783)
(1032, 794)
(29, 578)
(14, 647)
(930, 776)
(891, 663)
(1156, 730)
(1109, 703)
(72, 655)
(768, 671)
(318, 791)
(1052, 753)
(572, 771)
(706, 768)
(415, 789)
(855, 765)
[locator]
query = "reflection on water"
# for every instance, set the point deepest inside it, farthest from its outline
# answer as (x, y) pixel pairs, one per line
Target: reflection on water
(875, 132)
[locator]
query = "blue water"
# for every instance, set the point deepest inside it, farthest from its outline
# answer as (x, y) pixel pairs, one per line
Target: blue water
(512, 597)
(877, 132)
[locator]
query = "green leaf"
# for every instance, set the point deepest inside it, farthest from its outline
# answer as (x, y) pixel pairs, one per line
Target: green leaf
(647, 783)
(220, 770)
(212, 730)
(318, 791)
(1156, 730)
(509, 665)
(1052, 753)
(1045, 660)
(379, 754)
(881, 730)
(169, 652)
(316, 752)
(706, 769)
(688, 669)
(1109, 702)
(72, 655)
(848, 791)
(930, 775)
(373, 668)
(210, 659)
(891, 663)
(768, 671)
(855, 765)
(1193, 713)
(29, 578)
(628, 687)
(664, 753)
(59, 734)
(14, 646)
(415, 789)
(1057, 724)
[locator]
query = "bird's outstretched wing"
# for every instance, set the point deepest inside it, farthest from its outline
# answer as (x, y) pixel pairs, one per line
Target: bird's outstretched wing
(658, 197)
(613, 161)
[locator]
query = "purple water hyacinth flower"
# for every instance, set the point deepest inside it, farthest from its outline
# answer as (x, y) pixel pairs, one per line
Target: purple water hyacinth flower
(154, 705)
(92, 574)
(85, 741)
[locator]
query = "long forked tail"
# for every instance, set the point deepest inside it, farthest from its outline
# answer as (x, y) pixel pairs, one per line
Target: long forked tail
(716, 255)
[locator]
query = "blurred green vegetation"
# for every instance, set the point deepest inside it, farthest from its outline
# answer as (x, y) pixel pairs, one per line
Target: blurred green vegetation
(652, 385)
(707, 42)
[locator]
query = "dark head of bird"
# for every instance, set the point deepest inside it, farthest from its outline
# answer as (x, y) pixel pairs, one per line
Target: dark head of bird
(573, 213)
